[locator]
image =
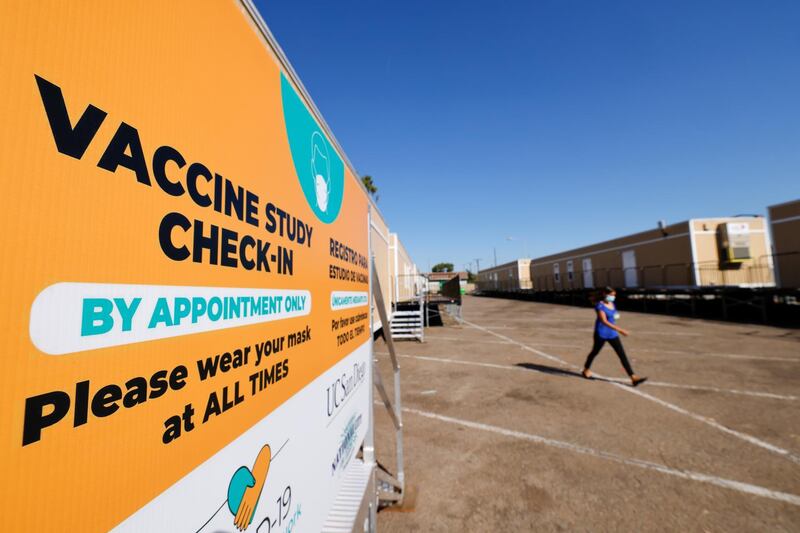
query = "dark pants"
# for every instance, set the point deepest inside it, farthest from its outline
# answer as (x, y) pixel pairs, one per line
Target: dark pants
(615, 343)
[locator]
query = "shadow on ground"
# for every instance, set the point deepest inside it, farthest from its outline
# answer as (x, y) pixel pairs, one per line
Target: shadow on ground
(557, 371)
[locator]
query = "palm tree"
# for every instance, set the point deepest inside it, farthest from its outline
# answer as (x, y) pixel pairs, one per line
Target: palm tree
(372, 189)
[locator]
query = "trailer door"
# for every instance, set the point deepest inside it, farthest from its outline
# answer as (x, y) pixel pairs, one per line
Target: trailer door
(629, 268)
(588, 278)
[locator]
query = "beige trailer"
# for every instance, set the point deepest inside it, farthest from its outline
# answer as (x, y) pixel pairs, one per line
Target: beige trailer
(407, 283)
(732, 251)
(784, 222)
(398, 275)
(380, 242)
(508, 277)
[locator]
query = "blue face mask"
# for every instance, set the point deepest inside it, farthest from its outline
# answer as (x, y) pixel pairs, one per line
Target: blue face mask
(610, 298)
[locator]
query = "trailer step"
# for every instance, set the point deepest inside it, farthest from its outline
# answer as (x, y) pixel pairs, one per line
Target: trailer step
(408, 323)
(351, 506)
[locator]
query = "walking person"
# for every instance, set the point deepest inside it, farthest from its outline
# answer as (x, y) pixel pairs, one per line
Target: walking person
(607, 331)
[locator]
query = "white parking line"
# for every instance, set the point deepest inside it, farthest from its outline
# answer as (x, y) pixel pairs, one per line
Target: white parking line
(587, 346)
(700, 418)
(755, 357)
(722, 355)
(507, 327)
(436, 338)
(559, 344)
(563, 345)
(533, 323)
(756, 394)
(730, 484)
(456, 361)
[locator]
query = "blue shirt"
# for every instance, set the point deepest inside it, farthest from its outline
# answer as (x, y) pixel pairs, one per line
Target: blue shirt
(603, 331)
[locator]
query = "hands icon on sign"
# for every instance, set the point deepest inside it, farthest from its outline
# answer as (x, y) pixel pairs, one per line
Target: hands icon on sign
(245, 488)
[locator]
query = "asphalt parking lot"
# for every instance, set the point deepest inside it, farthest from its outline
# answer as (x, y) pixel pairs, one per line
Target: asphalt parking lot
(502, 434)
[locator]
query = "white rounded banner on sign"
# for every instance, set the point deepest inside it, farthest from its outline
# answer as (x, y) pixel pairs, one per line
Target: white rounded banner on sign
(74, 317)
(348, 299)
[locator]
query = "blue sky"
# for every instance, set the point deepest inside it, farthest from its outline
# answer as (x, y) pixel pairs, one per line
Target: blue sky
(557, 122)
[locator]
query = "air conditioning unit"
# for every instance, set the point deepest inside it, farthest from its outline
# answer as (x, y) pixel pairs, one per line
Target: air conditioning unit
(734, 242)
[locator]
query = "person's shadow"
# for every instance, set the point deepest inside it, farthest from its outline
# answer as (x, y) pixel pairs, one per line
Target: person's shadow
(557, 371)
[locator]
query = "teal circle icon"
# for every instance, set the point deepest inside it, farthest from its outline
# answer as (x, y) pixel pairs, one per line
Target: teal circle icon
(318, 166)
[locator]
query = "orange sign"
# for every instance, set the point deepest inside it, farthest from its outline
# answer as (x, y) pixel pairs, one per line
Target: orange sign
(185, 249)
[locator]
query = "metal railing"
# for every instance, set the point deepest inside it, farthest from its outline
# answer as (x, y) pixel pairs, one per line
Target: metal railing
(758, 272)
(408, 287)
(508, 284)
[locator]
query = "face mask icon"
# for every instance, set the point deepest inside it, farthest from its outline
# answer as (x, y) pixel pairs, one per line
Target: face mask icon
(321, 170)
(322, 192)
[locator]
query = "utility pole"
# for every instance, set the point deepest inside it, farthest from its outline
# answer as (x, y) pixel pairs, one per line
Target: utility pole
(478, 262)
(495, 256)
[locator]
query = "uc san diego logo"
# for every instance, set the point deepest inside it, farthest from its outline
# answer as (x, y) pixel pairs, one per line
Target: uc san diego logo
(319, 168)
(347, 444)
